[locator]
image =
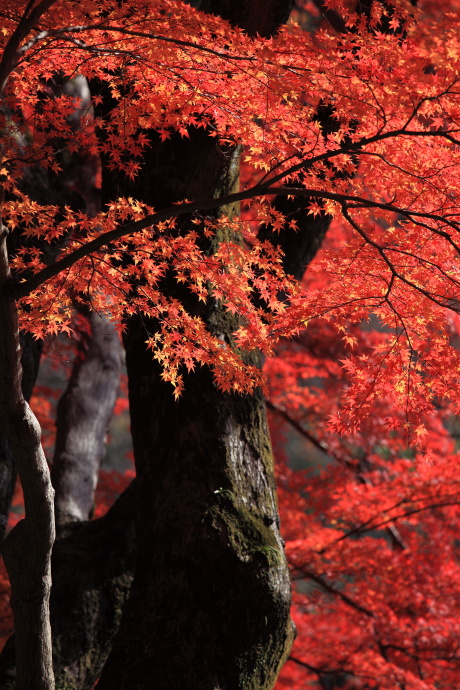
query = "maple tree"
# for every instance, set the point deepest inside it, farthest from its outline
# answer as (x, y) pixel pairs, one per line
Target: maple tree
(371, 529)
(124, 128)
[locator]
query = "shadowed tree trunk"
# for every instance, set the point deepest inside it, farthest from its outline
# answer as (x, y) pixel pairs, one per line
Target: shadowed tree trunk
(210, 603)
(92, 573)
(209, 606)
(92, 567)
(27, 548)
(301, 245)
(210, 600)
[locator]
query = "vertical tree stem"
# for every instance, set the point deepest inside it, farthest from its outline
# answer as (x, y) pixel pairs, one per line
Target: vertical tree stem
(27, 549)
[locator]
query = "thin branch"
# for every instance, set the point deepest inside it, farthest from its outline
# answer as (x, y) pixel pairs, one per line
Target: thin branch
(314, 669)
(299, 428)
(367, 526)
(61, 35)
(430, 295)
(392, 530)
(336, 592)
(25, 25)
(334, 18)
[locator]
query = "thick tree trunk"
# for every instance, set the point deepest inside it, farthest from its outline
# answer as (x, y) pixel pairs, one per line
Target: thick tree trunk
(92, 570)
(256, 17)
(83, 415)
(27, 549)
(209, 606)
(299, 246)
(210, 603)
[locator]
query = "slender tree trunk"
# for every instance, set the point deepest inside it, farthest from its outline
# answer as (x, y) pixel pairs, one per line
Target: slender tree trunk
(27, 549)
(30, 362)
(83, 415)
(7, 483)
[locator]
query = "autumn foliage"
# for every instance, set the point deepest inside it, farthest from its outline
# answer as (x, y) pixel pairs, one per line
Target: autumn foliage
(361, 357)
(371, 525)
(388, 172)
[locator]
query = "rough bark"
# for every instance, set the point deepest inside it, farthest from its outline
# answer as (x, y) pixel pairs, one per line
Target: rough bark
(209, 605)
(210, 601)
(92, 571)
(27, 549)
(83, 415)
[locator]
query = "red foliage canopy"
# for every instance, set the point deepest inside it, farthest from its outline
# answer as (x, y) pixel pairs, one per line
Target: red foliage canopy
(388, 176)
(377, 604)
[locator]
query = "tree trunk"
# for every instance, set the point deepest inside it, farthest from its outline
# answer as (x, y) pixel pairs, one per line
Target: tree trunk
(92, 570)
(255, 17)
(30, 361)
(27, 549)
(83, 415)
(210, 602)
(7, 483)
(209, 605)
